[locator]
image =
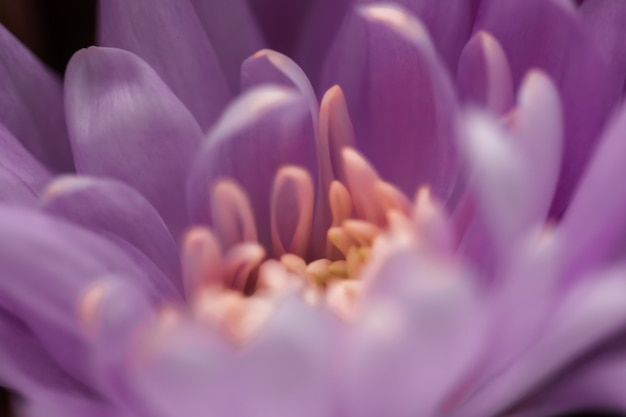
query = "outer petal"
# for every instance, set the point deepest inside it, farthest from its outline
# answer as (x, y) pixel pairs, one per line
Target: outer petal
(484, 76)
(233, 32)
(399, 98)
(46, 265)
(171, 39)
(126, 124)
(31, 104)
(588, 315)
(265, 129)
(595, 221)
(22, 177)
(109, 207)
(547, 34)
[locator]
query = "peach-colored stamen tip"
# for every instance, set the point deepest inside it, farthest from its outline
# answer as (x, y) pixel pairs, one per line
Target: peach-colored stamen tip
(292, 185)
(361, 179)
(240, 262)
(232, 214)
(89, 306)
(202, 260)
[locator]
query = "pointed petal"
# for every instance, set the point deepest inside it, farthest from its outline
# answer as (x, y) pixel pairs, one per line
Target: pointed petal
(171, 39)
(548, 35)
(233, 32)
(405, 118)
(47, 264)
(22, 177)
(126, 124)
(110, 207)
(31, 104)
(263, 130)
(595, 220)
(484, 76)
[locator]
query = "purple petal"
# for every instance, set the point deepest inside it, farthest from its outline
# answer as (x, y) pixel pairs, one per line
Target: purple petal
(70, 405)
(606, 20)
(399, 97)
(170, 38)
(233, 31)
(588, 315)
(22, 177)
(484, 77)
(111, 208)
(263, 130)
(126, 124)
(31, 104)
(449, 23)
(47, 265)
(595, 220)
(548, 35)
(422, 326)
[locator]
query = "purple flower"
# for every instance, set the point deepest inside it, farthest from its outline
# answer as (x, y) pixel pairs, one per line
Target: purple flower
(424, 218)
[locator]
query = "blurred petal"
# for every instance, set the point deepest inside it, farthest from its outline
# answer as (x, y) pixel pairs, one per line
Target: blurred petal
(22, 177)
(484, 76)
(266, 128)
(47, 264)
(109, 207)
(399, 97)
(594, 223)
(233, 32)
(70, 405)
(126, 124)
(418, 334)
(548, 35)
(588, 315)
(31, 104)
(169, 38)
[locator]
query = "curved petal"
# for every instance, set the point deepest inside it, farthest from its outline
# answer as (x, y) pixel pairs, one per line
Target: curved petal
(399, 97)
(548, 34)
(46, 265)
(170, 38)
(484, 76)
(126, 124)
(595, 220)
(22, 177)
(588, 315)
(109, 207)
(233, 32)
(31, 104)
(449, 23)
(263, 130)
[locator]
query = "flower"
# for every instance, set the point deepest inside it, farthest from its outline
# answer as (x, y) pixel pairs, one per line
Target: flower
(440, 235)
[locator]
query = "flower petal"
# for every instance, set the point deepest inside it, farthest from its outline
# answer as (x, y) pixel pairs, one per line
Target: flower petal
(233, 32)
(109, 207)
(484, 76)
(589, 314)
(22, 177)
(31, 104)
(399, 98)
(548, 35)
(449, 23)
(266, 128)
(47, 264)
(126, 124)
(169, 38)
